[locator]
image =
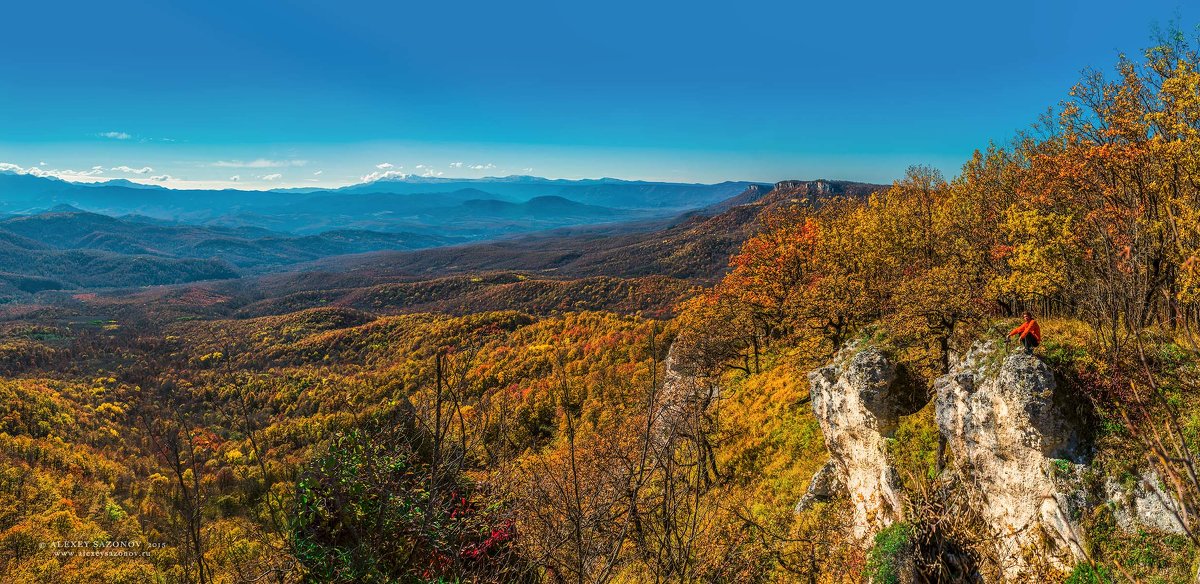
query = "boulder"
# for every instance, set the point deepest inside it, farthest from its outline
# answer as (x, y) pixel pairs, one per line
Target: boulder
(858, 403)
(1016, 449)
(1146, 505)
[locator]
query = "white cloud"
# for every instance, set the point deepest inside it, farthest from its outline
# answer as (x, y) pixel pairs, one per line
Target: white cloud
(527, 170)
(94, 175)
(235, 177)
(318, 173)
(258, 163)
(70, 174)
(272, 176)
(33, 170)
(428, 170)
(129, 170)
(65, 174)
(42, 163)
(470, 166)
(374, 176)
(115, 135)
(383, 165)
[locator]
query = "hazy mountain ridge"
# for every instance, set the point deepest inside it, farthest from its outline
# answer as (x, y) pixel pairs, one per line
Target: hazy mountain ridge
(71, 249)
(695, 245)
(534, 270)
(425, 205)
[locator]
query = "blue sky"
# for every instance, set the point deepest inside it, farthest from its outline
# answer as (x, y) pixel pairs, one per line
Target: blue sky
(304, 93)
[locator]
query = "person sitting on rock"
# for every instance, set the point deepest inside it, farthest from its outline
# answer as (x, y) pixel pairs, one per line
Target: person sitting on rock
(1029, 331)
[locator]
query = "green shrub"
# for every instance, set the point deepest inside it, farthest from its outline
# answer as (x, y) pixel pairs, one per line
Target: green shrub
(1088, 574)
(893, 547)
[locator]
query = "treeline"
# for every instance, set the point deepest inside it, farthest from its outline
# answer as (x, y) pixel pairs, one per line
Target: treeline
(1092, 214)
(1090, 220)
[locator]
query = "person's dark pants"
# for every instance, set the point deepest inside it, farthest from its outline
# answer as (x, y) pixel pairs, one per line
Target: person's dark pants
(1029, 342)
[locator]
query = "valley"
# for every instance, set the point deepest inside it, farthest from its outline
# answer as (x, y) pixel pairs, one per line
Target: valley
(990, 376)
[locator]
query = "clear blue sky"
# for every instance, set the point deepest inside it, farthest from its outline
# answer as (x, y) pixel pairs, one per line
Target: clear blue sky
(321, 93)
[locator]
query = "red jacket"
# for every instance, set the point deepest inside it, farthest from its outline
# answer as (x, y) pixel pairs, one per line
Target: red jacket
(1028, 328)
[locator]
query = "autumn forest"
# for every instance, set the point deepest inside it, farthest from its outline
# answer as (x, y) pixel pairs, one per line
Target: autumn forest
(635, 404)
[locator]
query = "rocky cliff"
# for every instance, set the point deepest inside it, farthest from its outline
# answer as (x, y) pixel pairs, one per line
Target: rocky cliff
(685, 394)
(1020, 461)
(1016, 449)
(858, 402)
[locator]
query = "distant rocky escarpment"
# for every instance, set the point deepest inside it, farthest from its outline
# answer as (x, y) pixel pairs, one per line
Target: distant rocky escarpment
(793, 192)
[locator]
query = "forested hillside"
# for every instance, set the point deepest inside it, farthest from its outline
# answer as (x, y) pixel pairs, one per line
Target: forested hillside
(660, 402)
(69, 249)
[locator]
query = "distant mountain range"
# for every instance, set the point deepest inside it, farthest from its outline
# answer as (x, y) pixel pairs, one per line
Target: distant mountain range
(695, 245)
(68, 248)
(656, 260)
(471, 208)
(610, 192)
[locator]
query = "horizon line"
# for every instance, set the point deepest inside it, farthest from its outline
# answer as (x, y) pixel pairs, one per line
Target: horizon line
(410, 179)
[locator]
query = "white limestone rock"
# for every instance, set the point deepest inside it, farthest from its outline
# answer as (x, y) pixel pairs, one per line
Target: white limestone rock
(1014, 446)
(858, 404)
